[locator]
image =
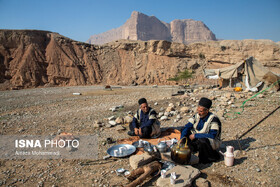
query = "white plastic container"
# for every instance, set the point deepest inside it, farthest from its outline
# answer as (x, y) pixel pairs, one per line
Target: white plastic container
(229, 156)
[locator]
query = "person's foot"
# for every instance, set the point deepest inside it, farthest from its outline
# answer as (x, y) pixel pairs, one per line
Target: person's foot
(131, 133)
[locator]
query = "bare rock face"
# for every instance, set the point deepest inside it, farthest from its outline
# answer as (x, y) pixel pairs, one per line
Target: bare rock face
(232, 51)
(142, 27)
(40, 58)
(36, 58)
(189, 31)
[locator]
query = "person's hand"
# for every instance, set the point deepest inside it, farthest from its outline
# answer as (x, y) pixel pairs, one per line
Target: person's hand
(136, 131)
(192, 137)
(140, 132)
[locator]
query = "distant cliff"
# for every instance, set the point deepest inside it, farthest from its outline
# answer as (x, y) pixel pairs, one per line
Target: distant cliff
(142, 27)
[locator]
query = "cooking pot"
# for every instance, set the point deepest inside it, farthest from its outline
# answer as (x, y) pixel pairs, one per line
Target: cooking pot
(162, 146)
(181, 153)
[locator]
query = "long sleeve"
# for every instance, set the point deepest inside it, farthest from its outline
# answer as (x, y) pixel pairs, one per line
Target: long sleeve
(134, 122)
(147, 123)
(185, 130)
(212, 134)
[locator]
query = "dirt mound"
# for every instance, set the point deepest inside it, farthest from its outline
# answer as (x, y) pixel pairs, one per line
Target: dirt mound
(30, 58)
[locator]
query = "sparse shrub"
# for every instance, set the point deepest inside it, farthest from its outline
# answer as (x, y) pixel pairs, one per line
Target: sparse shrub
(182, 76)
(201, 56)
(223, 48)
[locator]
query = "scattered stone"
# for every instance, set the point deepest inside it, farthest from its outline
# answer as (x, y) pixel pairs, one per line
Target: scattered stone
(120, 128)
(167, 114)
(184, 109)
(260, 96)
(212, 98)
(120, 106)
(128, 119)
(169, 109)
(160, 114)
(171, 105)
(173, 113)
(179, 117)
(185, 176)
(195, 90)
(111, 118)
(164, 118)
(113, 109)
(237, 96)
(225, 99)
(179, 103)
(201, 182)
(156, 104)
(228, 95)
(119, 120)
(112, 122)
(236, 153)
(97, 124)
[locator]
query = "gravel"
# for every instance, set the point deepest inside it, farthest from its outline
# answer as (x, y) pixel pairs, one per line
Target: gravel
(44, 111)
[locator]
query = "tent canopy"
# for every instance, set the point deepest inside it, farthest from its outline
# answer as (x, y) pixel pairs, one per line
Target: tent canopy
(251, 68)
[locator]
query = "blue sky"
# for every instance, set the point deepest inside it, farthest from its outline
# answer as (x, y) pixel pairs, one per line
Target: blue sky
(79, 19)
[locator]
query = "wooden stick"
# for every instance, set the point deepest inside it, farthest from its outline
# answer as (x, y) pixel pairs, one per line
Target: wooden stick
(144, 172)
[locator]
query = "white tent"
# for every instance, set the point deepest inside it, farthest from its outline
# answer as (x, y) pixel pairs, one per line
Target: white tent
(249, 74)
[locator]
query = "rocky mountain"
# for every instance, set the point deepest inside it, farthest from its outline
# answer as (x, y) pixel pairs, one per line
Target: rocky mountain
(30, 58)
(142, 27)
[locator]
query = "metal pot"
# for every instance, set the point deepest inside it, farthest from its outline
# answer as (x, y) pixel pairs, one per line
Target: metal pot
(181, 153)
(162, 146)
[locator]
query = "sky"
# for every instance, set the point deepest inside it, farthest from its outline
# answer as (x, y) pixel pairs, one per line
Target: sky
(79, 19)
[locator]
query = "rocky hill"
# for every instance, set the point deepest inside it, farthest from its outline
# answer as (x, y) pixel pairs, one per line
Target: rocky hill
(30, 58)
(142, 27)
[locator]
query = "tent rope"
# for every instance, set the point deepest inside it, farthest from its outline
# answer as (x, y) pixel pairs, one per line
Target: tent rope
(235, 114)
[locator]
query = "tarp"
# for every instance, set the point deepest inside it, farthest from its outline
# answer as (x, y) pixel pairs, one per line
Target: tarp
(252, 69)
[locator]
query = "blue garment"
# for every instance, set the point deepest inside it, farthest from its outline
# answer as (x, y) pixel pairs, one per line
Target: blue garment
(186, 130)
(144, 120)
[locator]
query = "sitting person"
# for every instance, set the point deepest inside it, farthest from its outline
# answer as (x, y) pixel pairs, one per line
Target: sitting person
(145, 123)
(203, 132)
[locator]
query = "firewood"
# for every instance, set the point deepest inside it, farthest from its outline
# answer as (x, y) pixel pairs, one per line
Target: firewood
(144, 172)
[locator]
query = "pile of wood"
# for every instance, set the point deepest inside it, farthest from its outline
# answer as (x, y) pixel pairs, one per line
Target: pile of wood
(144, 173)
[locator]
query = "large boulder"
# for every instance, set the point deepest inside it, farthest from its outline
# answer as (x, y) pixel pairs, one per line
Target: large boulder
(137, 161)
(185, 176)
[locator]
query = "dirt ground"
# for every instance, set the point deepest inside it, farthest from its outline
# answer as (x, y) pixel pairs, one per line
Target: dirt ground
(49, 111)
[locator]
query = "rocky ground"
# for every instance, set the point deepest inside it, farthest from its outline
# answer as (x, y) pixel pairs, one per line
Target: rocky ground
(44, 111)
